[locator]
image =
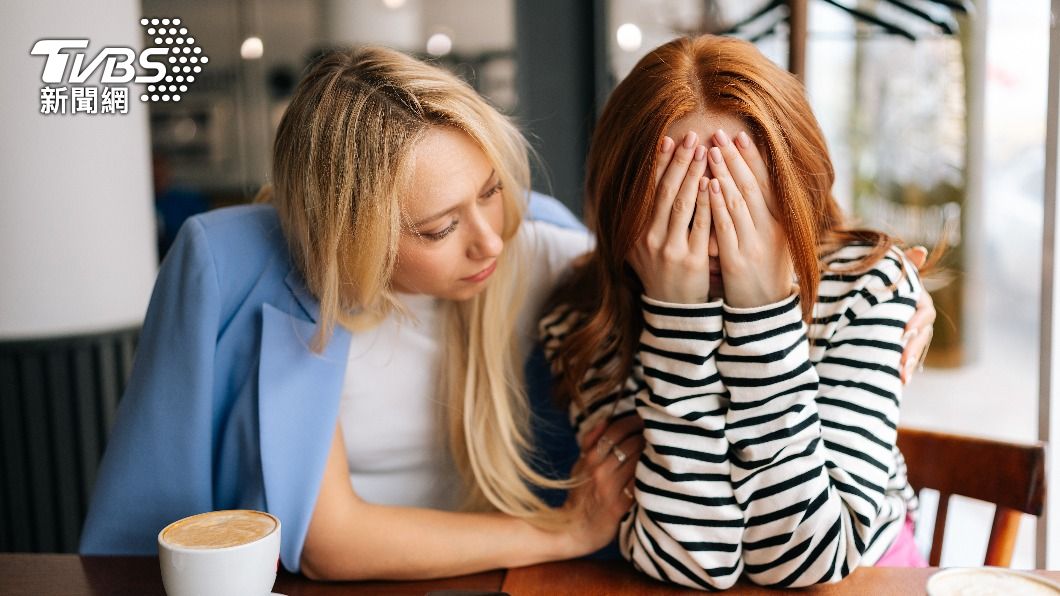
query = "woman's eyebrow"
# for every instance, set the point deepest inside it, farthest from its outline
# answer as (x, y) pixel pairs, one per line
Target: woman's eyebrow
(431, 218)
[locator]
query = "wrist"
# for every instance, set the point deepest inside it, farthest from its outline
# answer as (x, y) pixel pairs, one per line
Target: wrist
(673, 290)
(675, 298)
(761, 298)
(691, 308)
(566, 545)
(554, 543)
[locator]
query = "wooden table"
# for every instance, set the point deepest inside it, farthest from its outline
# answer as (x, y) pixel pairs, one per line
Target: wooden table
(619, 579)
(71, 575)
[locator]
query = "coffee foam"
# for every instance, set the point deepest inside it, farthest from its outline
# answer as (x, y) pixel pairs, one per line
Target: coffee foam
(219, 529)
(988, 582)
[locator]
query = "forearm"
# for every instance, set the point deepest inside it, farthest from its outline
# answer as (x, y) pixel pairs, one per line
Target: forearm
(794, 520)
(812, 444)
(381, 542)
(687, 526)
(765, 364)
(350, 539)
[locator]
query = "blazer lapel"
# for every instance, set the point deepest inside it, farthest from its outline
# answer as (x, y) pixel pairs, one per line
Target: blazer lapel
(298, 399)
(306, 300)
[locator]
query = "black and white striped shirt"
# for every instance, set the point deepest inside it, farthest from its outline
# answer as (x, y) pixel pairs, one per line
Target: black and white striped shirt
(770, 446)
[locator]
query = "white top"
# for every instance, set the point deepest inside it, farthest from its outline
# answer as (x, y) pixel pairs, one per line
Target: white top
(392, 422)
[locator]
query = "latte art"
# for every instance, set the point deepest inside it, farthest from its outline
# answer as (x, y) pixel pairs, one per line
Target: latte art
(219, 529)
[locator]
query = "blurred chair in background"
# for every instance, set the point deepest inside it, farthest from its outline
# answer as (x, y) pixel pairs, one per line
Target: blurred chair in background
(1010, 475)
(58, 398)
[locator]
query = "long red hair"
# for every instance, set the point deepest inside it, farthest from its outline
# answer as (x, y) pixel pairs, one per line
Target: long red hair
(719, 75)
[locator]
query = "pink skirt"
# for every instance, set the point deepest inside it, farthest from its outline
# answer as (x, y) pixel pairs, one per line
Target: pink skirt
(903, 552)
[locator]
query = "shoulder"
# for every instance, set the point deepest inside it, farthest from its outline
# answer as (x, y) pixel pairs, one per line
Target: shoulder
(546, 255)
(244, 246)
(853, 287)
(550, 230)
(542, 238)
(251, 227)
(556, 325)
(847, 270)
(246, 236)
(560, 320)
(549, 209)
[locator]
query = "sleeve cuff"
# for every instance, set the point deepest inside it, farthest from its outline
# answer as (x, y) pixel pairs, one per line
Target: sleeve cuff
(765, 317)
(706, 316)
(715, 304)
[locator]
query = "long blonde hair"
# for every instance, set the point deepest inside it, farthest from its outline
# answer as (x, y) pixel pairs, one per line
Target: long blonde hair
(341, 163)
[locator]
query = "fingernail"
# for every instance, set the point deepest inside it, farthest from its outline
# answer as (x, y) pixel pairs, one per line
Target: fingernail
(715, 155)
(908, 335)
(667, 145)
(743, 140)
(690, 139)
(715, 185)
(700, 152)
(703, 182)
(721, 138)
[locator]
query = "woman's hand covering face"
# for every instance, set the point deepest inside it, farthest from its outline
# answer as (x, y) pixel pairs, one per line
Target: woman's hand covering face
(671, 258)
(753, 247)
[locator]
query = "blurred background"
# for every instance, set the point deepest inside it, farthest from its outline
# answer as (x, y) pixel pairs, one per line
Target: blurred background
(936, 122)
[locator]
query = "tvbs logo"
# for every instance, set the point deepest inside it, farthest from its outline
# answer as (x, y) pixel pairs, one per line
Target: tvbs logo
(166, 67)
(118, 62)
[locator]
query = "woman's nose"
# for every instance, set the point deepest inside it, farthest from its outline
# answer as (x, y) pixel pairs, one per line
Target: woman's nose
(486, 242)
(712, 244)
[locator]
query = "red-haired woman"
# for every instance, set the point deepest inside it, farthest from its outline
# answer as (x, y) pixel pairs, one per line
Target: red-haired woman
(758, 336)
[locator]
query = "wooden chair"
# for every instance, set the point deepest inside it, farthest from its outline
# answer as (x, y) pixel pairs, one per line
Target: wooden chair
(1010, 475)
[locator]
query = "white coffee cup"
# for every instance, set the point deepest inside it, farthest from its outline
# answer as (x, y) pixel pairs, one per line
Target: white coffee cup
(220, 553)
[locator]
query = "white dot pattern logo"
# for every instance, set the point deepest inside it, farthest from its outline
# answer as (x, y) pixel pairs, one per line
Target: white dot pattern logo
(167, 33)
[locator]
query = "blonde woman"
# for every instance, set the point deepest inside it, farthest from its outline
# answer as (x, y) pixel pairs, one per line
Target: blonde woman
(347, 355)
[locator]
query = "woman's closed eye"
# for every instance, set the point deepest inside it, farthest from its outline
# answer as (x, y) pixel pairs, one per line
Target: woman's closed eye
(442, 233)
(496, 188)
(438, 235)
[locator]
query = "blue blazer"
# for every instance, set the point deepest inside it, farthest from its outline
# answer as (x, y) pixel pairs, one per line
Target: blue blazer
(227, 407)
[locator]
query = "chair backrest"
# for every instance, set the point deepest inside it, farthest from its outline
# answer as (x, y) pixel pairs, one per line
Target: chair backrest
(58, 398)
(1010, 475)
